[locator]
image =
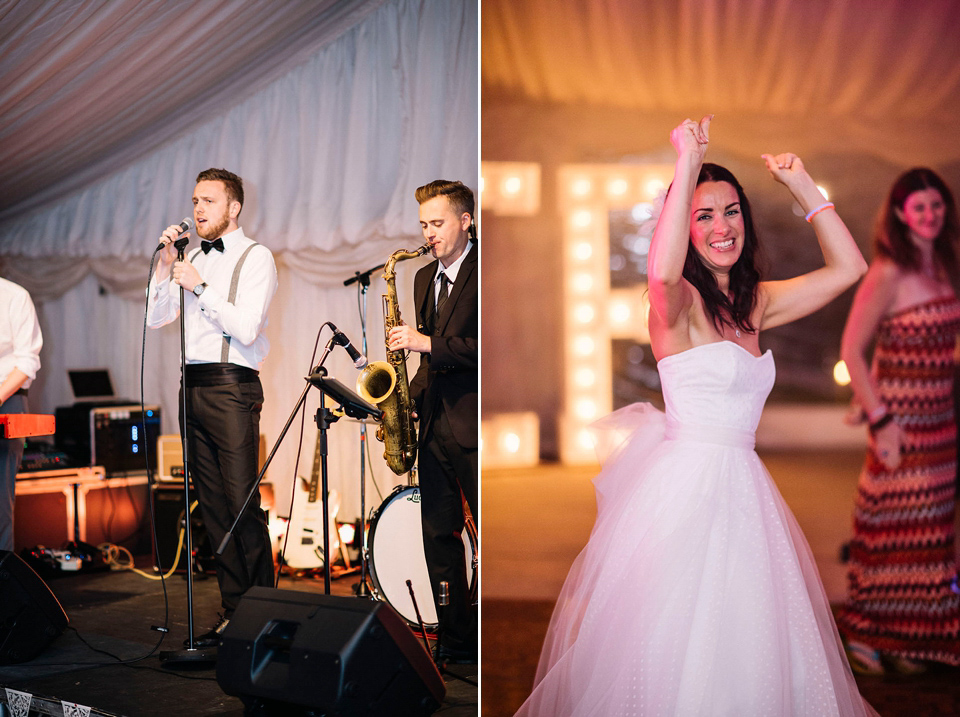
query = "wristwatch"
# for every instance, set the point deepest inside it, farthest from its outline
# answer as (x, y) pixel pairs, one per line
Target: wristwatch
(198, 289)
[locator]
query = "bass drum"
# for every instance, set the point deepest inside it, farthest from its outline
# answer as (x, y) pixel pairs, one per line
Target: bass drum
(395, 555)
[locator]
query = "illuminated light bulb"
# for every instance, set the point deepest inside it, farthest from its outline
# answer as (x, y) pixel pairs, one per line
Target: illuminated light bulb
(617, 187)
(585, 377)
(580, 187)
(582, 282)
(347, 533)
(584, 313)
(512, 185)
(511, 442)
(586, 408)
(582, 250)
(641, 245)
(641, 212)
(652, 186)
(840, 373)
(582, 218)
(586, 439)
(583, 345)
(824, 192)
(620, 312)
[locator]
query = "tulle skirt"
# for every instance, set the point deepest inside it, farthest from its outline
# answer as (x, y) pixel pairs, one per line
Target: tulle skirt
(696, 594)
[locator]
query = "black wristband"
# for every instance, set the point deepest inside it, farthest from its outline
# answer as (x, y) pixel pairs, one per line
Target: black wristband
(881, 422)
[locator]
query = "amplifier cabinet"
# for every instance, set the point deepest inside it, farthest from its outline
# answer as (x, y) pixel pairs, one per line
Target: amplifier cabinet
(168, 509)
(114, 436)
(119, 435)
(170, 458)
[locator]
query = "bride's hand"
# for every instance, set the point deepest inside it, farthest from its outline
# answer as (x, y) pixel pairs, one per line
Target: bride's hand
(785, 168)
(691, 138)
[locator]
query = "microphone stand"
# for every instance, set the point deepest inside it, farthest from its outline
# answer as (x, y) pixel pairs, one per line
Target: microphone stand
(363, 285)
(192, 654)
(351, 405)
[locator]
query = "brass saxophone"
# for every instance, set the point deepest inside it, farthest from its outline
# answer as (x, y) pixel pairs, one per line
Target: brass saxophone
(385, 383)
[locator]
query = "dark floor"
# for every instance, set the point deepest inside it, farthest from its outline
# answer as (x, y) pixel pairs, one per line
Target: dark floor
(114, 612)
(513, 631)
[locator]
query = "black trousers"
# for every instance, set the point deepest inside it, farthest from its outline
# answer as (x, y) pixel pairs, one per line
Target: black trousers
(223, 439)
(446, 469)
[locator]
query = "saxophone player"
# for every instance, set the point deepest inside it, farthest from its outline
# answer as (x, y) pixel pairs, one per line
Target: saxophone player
(444, 391)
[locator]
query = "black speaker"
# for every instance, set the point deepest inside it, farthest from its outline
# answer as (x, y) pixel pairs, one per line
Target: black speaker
(168, 517)
(288, 652)
(30, 616)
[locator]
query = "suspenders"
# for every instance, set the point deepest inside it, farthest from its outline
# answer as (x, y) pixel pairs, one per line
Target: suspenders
(232, 296)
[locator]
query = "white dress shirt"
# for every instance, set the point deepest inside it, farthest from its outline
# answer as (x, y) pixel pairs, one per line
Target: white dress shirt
(20, 337)
(210, 317)
(451, 272)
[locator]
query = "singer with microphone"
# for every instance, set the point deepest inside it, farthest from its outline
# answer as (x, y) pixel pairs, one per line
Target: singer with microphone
(228, 282)
(444, 391)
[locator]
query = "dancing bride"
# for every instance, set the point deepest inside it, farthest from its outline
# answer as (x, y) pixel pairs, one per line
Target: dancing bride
(697, 593)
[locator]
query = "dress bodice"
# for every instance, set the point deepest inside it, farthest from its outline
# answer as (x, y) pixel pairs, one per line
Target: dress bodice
(716, 390)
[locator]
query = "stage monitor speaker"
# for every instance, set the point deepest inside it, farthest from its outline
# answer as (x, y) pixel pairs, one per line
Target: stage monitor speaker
(30, 615)
(286, 652)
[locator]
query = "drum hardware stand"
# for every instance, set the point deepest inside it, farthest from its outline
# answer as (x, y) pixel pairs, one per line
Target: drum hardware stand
(363, 285)
(444, 600)
(192, 655)
(351, 405)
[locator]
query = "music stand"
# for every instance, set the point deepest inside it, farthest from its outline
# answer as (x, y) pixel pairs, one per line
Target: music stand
(353, 406)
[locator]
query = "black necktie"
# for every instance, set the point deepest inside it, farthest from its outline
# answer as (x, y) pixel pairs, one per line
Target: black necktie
(215, 244)
(442, 296)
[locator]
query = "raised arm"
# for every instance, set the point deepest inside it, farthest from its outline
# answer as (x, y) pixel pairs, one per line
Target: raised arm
(844, 264)
(670, 295)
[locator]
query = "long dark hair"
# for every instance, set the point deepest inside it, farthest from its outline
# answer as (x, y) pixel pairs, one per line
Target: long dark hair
(744, 275)
(892, 237)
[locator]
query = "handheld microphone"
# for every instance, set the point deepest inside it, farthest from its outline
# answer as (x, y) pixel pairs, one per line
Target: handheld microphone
(359, 360)
(184, 226)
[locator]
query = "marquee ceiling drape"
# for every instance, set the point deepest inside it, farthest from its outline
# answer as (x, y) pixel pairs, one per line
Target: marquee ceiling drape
(89, 83)
(333, 112)
(882, 76)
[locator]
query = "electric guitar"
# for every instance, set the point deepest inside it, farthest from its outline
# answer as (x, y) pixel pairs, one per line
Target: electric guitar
(305, 529)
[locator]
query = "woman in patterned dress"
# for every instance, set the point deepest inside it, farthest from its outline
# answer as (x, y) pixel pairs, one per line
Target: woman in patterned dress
(902, 605)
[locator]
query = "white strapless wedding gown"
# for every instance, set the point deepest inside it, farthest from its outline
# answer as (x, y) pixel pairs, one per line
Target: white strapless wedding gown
(697, 593)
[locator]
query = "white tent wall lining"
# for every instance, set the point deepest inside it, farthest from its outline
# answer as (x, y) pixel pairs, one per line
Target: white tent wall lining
(330, 152)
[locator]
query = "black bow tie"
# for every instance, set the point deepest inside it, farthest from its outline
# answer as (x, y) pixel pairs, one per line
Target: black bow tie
(215, 244)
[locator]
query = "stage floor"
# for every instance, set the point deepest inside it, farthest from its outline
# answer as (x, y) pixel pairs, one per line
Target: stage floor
(114, 611)
(536, 520)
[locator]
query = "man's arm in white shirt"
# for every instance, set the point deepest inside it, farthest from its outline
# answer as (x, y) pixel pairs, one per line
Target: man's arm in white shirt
(162, 308)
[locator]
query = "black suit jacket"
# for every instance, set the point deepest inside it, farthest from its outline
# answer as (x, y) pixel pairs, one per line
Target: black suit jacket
(448, 374)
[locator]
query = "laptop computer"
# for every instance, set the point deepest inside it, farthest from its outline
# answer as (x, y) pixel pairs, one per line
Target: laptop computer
(91, 385)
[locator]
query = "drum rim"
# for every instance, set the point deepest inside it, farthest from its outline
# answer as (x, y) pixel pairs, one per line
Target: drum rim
(473, 566)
